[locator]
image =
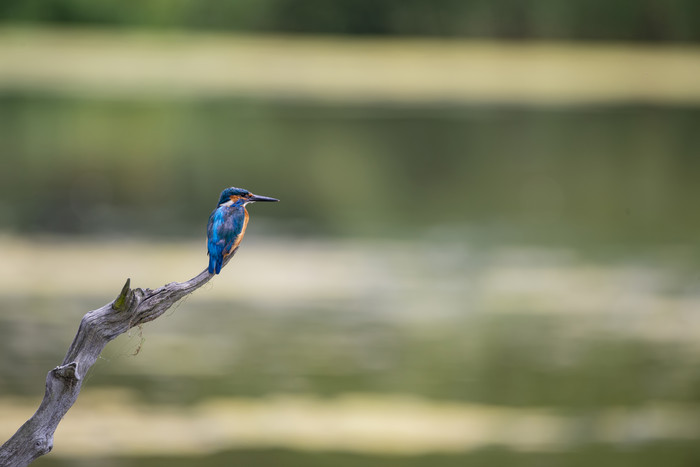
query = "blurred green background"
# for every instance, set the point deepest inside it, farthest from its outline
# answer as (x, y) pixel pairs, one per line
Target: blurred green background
(485, 251)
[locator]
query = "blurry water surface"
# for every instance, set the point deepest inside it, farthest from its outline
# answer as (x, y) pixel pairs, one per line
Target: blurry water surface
(371, 348)
(444, 282)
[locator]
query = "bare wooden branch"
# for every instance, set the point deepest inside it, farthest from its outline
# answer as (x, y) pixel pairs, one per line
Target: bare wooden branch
(132, 307)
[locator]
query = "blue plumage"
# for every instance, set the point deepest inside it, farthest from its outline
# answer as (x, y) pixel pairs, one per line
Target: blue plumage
(227, 225)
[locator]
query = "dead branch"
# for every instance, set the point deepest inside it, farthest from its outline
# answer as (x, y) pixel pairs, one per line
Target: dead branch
(131, 308)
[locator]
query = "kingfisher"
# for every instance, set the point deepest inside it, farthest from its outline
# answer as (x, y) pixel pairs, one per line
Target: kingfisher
(227, 224)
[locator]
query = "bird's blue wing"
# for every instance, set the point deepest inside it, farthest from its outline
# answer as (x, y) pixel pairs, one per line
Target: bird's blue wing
(225, 225)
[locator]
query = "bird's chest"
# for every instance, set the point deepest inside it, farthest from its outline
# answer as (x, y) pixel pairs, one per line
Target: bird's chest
(231, 222)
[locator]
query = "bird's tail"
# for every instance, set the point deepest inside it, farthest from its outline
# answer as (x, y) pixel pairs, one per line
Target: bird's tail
(215, 262)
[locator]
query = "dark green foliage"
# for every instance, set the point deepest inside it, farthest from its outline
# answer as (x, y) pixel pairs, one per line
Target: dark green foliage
(620, 20)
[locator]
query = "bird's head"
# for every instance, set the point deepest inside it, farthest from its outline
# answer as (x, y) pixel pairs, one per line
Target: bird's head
(241, 197)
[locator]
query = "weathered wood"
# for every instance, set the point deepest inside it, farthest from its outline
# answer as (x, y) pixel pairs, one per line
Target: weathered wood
(132, 307)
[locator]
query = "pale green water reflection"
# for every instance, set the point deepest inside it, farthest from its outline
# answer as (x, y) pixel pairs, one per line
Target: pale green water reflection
(551, 331)
(613, 175)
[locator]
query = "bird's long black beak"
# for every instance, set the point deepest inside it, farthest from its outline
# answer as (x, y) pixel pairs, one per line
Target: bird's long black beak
(262, 198)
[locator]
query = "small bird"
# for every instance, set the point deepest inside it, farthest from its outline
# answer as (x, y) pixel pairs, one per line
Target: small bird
(227, 224)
